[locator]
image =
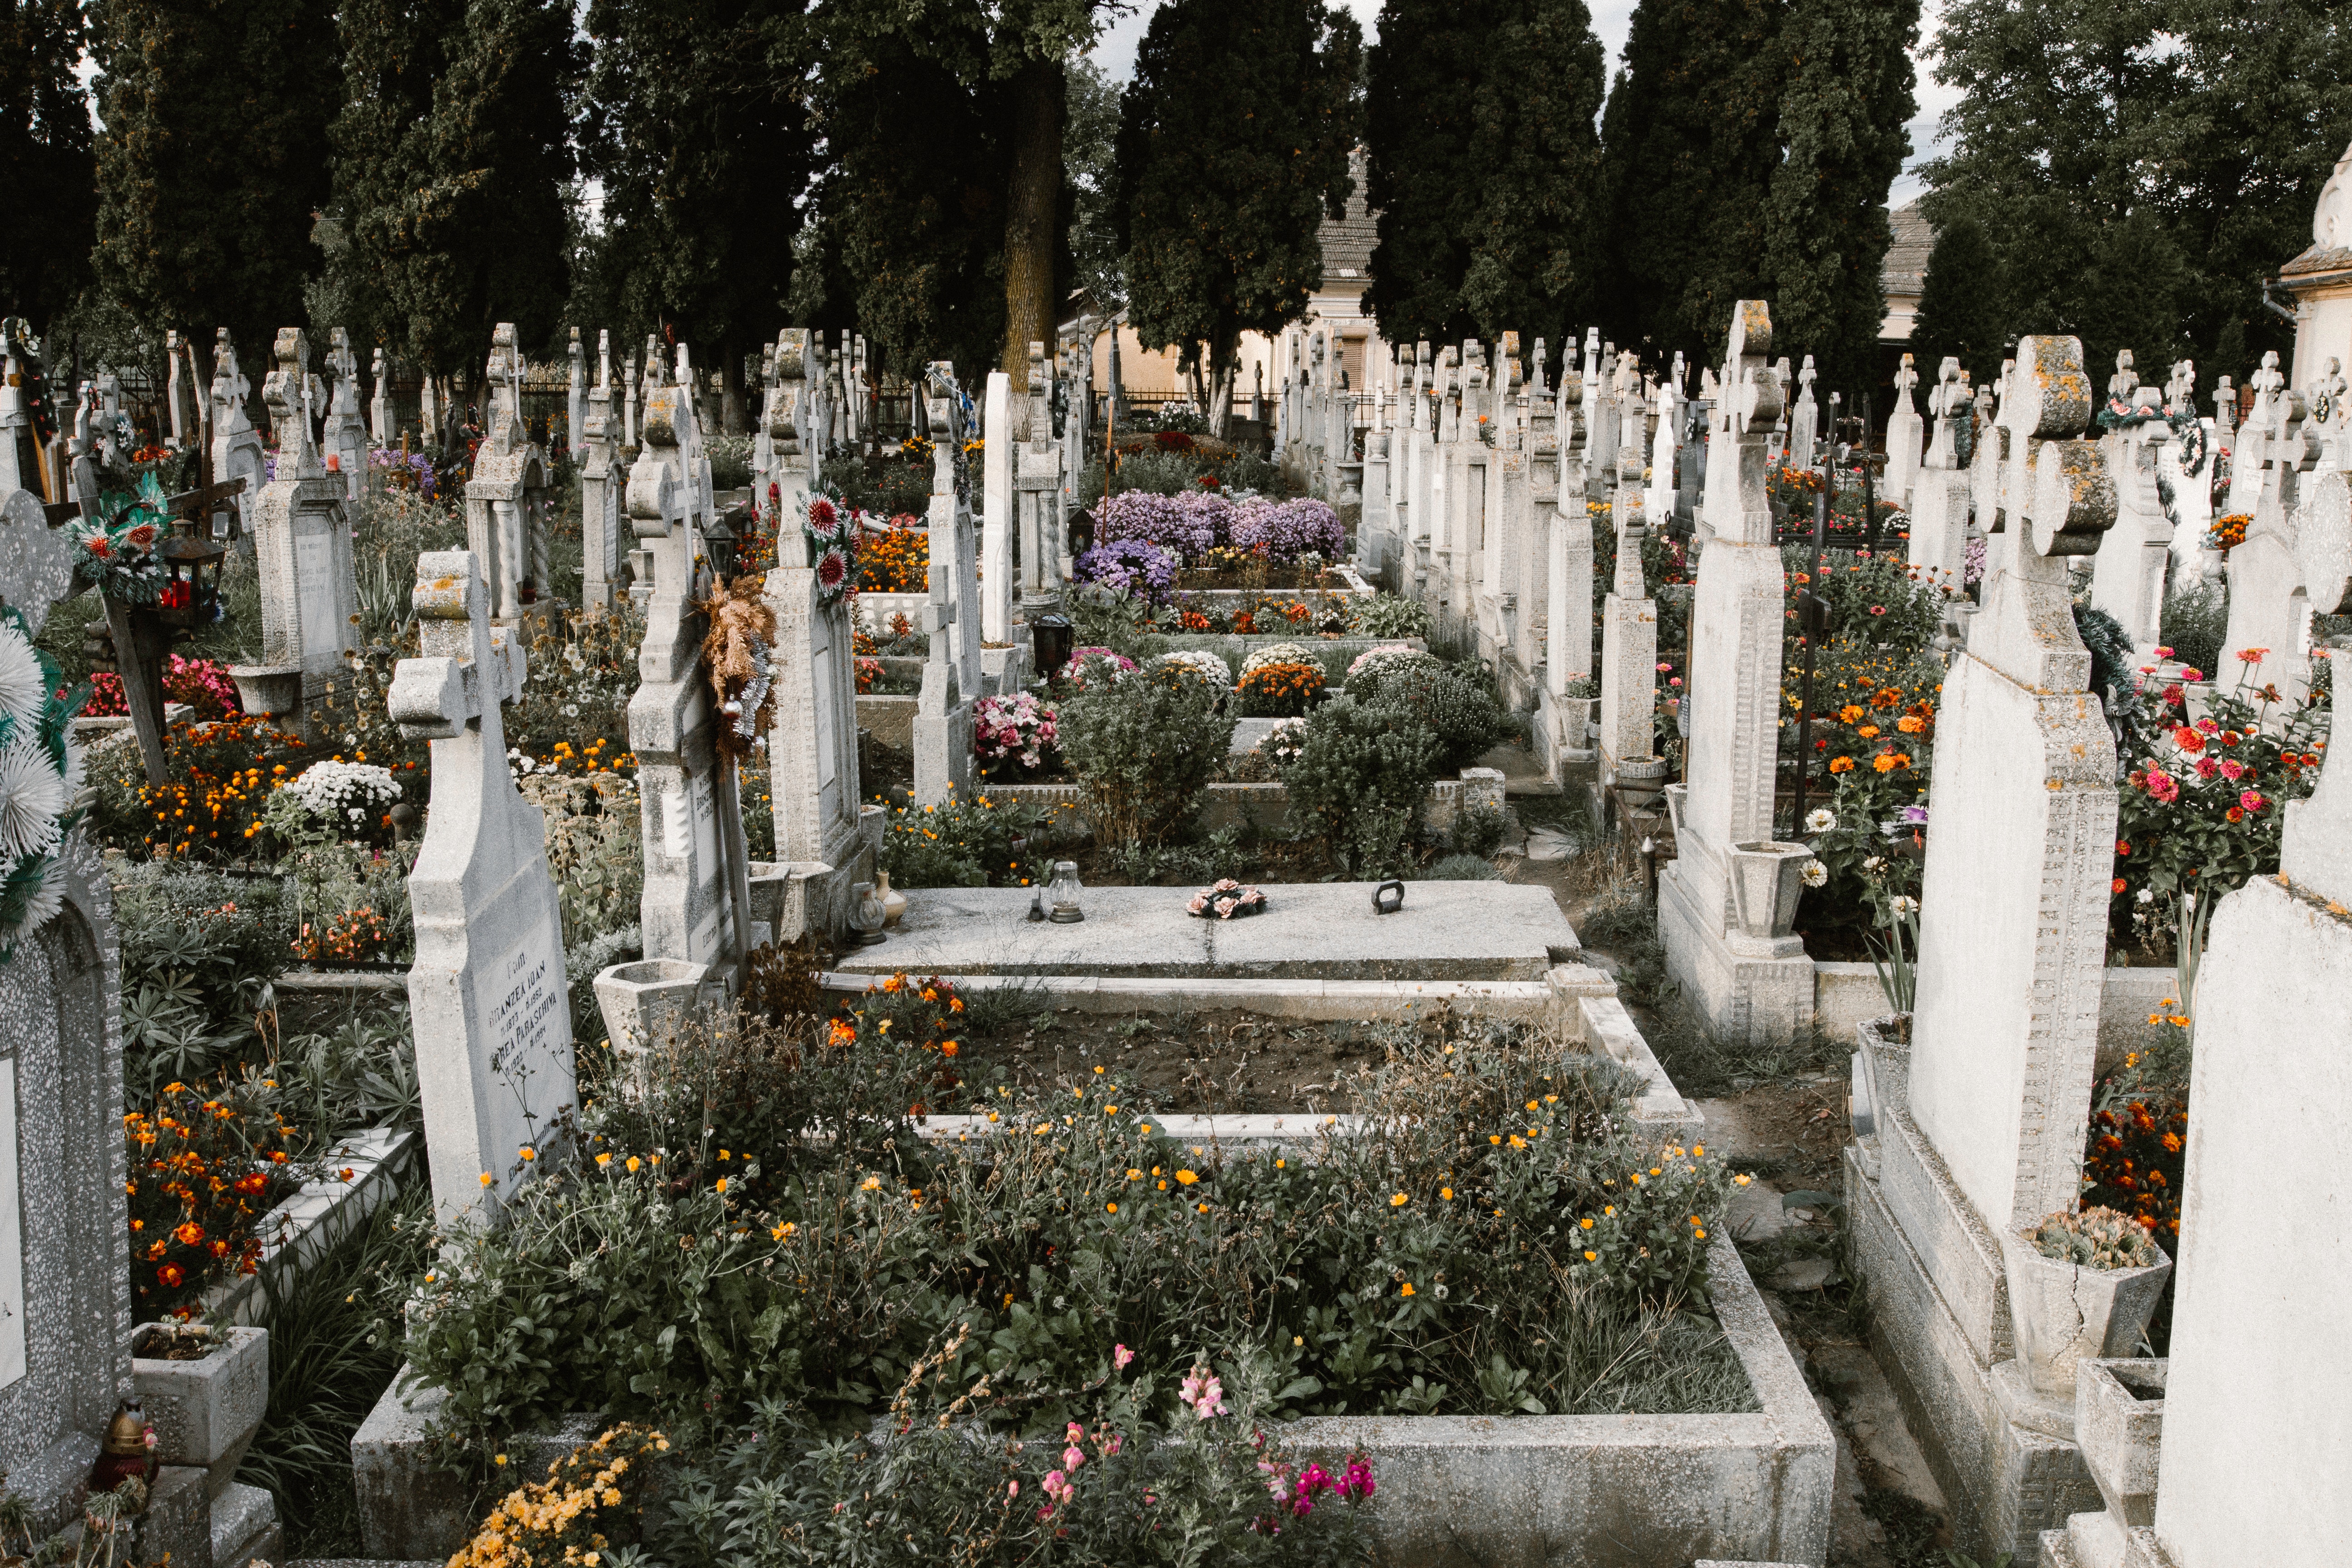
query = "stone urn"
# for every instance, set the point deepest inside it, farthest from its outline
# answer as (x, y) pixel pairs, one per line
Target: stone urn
(205, 1404)
(645, 1003)
(2062, 1313)
(1640, 781)
(1767, 878)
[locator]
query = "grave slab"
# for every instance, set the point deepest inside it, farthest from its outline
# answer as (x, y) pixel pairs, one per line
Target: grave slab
(1446, 930)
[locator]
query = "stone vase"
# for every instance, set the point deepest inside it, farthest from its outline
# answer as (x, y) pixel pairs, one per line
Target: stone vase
(1767, 878)
(2060, 1313)
(206, 1412)
(1640, 781)
(645, 1003)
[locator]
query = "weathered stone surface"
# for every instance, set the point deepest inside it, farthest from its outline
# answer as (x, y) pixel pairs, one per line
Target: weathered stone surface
(1446, 930)
(207, 1410)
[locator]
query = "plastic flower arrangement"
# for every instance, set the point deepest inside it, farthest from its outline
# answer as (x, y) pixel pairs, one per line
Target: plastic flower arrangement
(832, 529)
(1132, 566)
(114, 551)
(1015, 730)
(1225, 900)
(1280, 690)
(40, 773)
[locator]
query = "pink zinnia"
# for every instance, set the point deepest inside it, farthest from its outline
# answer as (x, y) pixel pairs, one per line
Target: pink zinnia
(2233, 770)
(2161, 786)
(2252, 800)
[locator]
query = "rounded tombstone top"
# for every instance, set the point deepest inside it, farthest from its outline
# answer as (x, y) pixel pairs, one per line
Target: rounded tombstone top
(2331, 220)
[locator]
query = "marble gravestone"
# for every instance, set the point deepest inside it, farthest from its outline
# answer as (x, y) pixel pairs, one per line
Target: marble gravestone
(344, 436)
(997, 522)
(487, 994)
(1038, 487)
(302, 546)
(600, 492)
(507, 502)
(2270, 614)
(1904, 433)
(951, 670)
(65, 1264)
(237, 444)
(1939, 490)
(696, 902)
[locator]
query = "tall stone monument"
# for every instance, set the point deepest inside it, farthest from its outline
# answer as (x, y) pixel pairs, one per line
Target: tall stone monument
(951, 673)
(237, 444)
(344, 436)
(506, 499)
(998, 523)
(487, 994)
(600, 484)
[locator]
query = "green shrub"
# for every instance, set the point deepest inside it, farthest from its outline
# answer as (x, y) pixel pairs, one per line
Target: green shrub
(2196, 621)
(965, 841)
(1105, 618)
(1361, 771)
(199, 951)
(1478, 830)
(1495, 1238)
(1870, 600)
(1386, 615)
(730, 461)
(1463, 868)
(1456, 701)
(1143, 750)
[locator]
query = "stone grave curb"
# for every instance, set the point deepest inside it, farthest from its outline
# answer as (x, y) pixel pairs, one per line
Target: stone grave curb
(307, 1226)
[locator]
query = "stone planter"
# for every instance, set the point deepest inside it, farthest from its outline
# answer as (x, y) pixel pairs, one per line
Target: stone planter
(645, 1002)
(269, 688)
(2061, 1314)
(1767, 880)
(1641, 781)
(205, 1412)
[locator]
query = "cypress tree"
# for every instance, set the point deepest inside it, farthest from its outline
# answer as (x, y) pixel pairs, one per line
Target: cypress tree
(1535, 260)
(1233, 143)
(45, 162)
(1846, 99)
(1691, 140)
(1962, 313)
(702, 151)
(1420, 132)
(212, 161)
(393, 52)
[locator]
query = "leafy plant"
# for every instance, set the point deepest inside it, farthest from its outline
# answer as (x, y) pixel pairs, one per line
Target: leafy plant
(1386, 615)
(2095, 1238)
(1279, 689)
(1144, 749)
(965, 841)
(1361, 771)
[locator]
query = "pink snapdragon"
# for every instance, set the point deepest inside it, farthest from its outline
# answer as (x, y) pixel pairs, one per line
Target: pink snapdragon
(1203, 1394)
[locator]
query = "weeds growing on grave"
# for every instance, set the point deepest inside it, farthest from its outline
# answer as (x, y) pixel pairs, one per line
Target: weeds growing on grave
(1495, 1240)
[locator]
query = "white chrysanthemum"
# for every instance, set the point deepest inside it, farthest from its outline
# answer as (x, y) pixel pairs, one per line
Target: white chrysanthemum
(32, 798)
(23, 691)
(1815, 873)
(46, 899)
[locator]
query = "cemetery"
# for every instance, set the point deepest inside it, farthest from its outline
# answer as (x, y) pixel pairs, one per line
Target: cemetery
(821, 882)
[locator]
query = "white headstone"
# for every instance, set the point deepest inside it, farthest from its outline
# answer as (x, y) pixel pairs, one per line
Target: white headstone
(1902, 435)
(2270, 614)
(344, 436)
(942, 731)
(506, 499)
(998, 508)
(237, 446)
(574, 405)
(487, 994)
(600, 492)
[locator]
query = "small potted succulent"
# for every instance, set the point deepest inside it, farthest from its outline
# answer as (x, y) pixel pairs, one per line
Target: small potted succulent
(2081, 1285)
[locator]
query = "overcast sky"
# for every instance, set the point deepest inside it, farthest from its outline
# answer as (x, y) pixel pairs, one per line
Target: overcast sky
(1611, 18)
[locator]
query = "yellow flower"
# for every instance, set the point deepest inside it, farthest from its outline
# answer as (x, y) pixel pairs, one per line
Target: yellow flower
(1112, 1207)
(528, 1154)
(1134, 1174)
(1399, 1201)
(1445, 1193)
(1594, 1256)
(722, 1180)
(603, 1160)
(869, 1185)
(1587, 1221)
(1187, 1177)
(631, 1163)
(1408, 1284)
(486, 1178)
(502, 1458)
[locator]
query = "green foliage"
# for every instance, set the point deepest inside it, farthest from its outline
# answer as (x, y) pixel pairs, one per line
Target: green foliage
(1691, 140)
(1462, 869)
(199, 951)
(1089, 151)
(453, 151)
(45, 162)
(1387, 1272)
(1233, 141)
(1386, 615)
(210, 166)
(966, 841)
(2095, 1238)
(2195, 621)
(1844, 104)
(782, 1491)
(1144, 749)
(1362, 771)
(1869, 600)
(1483, 168)
(1477, 831)
(698, 154)
(1456, 701)
(2066, 105)
(1963, 313)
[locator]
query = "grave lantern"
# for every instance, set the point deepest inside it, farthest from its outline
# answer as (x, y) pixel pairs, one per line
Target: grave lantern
(1065, 892)
(191, 595)
(1051, 633)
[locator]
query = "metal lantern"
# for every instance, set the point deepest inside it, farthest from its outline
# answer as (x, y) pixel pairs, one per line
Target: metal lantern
(191, 595)
(1082, 534)
(721, 545)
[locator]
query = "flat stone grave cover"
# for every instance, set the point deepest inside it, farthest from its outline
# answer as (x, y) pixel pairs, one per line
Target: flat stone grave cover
(1310, 930)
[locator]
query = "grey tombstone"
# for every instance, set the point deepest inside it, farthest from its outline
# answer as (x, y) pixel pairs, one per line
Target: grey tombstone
(600, 492)
(344, 437)
(508, 504)
(302, 548)
(951, 672)
(487, 994)
(237, 446)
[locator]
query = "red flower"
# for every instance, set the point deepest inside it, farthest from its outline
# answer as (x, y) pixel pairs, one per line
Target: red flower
(2188, 739)
(832, 569)
(2116, 886)
(171, 1276)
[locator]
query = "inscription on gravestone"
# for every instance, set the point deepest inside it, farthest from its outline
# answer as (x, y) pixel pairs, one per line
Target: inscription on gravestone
(521, 1001)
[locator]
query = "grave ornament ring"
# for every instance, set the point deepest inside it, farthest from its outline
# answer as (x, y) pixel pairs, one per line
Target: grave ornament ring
(1382, 903)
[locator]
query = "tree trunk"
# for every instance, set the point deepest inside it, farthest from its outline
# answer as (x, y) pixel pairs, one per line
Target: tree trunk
(1222, 364)
(1036, 196)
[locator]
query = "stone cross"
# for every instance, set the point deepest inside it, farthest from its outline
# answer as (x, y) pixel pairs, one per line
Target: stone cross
(2019, 862)
(432, 422)
(507, 500)
(303, 548)
(998, 506)
(2270, 612)
(344, 436)
(1939, 491)
(487, 994)
(2126, 381)
(179, 391)
(1902, 435)
(1568, 580)
(696, 902)
(1751, 984)
(2127, 577)
(825, 837)
(1805, 419)
(380, 420)
(630, 401)
(237, 446)
(1629, 658)
(942, 732)
(1038, 486)
(575, 407)
(600, 492)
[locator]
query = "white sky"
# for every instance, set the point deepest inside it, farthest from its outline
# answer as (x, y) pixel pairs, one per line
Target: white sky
(1611, 19)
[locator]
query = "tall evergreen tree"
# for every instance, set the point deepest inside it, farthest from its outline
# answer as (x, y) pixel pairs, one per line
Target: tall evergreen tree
(697, 127)
(1001, 60)
(1691, 142)
(1485, 168)
(393, 53)
(1233, 143)
(2213, 129)
(1535, 262)
(45, 162)
(455, 209)
(1963, 313)
(1845, 102)
(212, 160)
